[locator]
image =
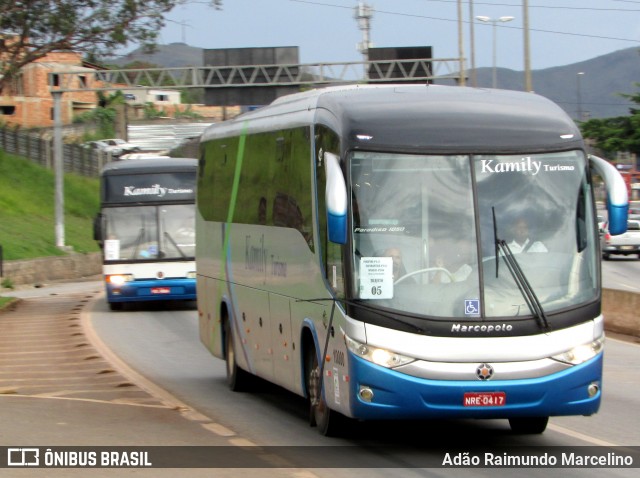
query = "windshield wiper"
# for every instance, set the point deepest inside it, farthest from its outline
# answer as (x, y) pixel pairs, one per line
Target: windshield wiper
(495, 238)
(175, 244)
(138, 242)
(519, 277)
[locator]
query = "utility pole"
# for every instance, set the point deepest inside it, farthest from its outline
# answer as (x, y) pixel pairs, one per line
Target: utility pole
(184, 26)
(472, 53)
(363, 14)
(58, 168)
(463, 74)
(528, 85)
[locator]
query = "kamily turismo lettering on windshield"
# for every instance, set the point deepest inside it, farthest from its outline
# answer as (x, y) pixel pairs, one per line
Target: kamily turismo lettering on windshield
(155, 190)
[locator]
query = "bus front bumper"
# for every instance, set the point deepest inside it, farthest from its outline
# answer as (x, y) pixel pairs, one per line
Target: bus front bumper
(389, 394)
(149, 290)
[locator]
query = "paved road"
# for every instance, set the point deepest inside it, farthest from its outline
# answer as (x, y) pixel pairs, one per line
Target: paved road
(57, 389)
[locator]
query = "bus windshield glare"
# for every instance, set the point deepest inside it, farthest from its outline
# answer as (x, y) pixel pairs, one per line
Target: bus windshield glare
(427, 230)
(149, 232)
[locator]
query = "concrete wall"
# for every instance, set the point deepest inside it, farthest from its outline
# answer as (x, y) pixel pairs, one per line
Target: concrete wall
(621, 312)
(620, 308)
(47, 269)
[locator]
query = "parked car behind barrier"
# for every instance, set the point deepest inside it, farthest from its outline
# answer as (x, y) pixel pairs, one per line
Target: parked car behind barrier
(114, 146)
(623, 244)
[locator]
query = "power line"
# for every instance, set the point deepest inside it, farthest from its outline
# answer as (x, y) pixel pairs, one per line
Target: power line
(426, 17)
(551, 7)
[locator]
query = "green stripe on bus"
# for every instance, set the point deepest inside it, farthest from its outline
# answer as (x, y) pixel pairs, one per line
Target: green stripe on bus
(234, 191)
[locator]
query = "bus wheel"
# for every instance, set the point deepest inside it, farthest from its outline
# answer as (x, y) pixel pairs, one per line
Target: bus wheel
(528, 425)
(238, 380)
(329, 422)
(115, 305)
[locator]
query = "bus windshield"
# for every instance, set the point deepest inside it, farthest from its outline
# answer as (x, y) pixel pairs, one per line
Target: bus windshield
(138, 233)
(437, 235)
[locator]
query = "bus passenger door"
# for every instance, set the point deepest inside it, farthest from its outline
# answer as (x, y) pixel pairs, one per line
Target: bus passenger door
(255, 332)
(281, 344)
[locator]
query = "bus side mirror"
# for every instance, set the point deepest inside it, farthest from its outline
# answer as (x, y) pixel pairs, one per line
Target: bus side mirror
(336, 200)
(97, 228)
(617, 196)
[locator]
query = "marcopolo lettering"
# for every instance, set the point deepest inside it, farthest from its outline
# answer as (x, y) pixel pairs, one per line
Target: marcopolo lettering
(525, 165)
(483, 328)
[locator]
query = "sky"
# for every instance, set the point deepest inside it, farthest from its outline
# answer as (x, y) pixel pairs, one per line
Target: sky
(562, 32)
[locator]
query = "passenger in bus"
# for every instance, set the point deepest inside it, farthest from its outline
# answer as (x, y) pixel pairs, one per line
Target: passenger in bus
(399, 269)
(521, 241)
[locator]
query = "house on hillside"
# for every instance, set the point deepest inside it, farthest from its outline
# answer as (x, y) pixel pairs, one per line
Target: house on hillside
(155, 96)
(169, 103)
(27, 101)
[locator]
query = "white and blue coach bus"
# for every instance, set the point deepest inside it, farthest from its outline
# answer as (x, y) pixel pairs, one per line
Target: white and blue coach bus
(146, 229)
(406, 252)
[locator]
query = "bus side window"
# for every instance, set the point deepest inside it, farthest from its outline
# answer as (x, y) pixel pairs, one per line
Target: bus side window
(335, 269)
(332, 254)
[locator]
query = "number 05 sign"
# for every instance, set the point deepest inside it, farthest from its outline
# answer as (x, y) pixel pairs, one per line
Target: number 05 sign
(376, 278)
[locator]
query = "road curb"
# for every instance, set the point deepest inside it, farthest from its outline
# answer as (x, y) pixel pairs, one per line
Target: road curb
(125, 370)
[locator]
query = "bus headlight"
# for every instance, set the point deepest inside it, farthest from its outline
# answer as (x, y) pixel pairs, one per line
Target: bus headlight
(382, 357)
(191, 275)
(119, 279)
(581, 353)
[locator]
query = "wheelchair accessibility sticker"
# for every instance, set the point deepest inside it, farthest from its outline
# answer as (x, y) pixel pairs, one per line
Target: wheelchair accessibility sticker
(472, 307)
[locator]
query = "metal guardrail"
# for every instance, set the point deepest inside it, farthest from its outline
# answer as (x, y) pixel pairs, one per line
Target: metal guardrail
(77, 159)
(152, 137)
(88, 162)
(410, 70)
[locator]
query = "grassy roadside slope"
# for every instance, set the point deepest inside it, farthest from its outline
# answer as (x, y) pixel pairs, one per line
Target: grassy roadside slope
(27, 217)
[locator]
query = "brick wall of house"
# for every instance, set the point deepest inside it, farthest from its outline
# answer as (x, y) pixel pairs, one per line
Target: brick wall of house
(30, 111)
(33, 101)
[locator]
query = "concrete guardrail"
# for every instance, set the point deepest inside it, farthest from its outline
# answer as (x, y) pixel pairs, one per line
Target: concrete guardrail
(620, 308)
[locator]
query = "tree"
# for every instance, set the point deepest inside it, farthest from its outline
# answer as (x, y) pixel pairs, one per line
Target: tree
(30, 29)
(621, 133)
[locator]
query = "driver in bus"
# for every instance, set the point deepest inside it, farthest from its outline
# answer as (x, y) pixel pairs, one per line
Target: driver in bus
(521, 241)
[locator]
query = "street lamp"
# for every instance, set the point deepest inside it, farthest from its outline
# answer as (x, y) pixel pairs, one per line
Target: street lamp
(579, 95)
(494, 21)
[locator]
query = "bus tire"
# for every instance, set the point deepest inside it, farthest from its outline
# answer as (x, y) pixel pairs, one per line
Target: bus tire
(329, 422)
(528, 425)
(238, 380)
(115, 305)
